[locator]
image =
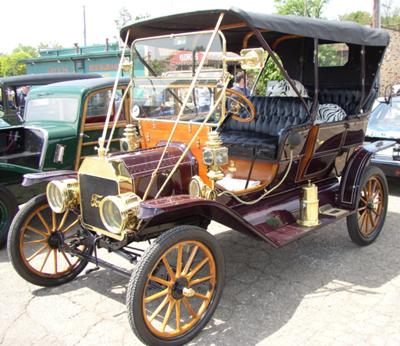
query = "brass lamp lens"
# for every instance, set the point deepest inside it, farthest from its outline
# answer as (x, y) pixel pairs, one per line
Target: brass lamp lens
(111, 216)
(56, 197)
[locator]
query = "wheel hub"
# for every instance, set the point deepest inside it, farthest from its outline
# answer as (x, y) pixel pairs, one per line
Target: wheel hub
(55, 240)
(181, 289)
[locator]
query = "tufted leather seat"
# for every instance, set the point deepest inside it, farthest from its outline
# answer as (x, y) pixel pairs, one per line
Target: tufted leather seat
(260, 136)
(348, 99)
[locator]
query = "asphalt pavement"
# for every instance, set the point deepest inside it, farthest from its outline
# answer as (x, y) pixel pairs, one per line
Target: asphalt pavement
(320, 290)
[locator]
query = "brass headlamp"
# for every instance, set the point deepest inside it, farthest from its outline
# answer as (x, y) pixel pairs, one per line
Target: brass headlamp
(119, 212)
(215, 156)
(63, 194)
(131, 140)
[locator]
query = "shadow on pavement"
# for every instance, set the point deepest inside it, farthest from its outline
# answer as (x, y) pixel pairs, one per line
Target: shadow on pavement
(394, 186)
(264, 286)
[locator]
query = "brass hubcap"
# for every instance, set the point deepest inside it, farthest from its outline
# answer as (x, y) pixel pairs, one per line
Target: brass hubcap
(40, 242)
(371, 206)
(179, 289)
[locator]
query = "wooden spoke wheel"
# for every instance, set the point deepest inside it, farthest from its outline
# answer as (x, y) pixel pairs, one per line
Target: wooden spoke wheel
(176, 286)
(36, 244)
(239, 106)
(366, 224)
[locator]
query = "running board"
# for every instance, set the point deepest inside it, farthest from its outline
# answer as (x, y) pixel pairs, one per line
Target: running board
(289, 232)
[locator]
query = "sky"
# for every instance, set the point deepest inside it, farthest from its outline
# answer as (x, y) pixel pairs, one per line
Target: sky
(62, 21)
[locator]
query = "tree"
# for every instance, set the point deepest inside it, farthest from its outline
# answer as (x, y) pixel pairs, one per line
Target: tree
(49, 45)
(308, 8)
(360, 17)
(10, 64)
(124, 17)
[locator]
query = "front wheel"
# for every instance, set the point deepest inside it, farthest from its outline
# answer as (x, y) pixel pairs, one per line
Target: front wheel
(176, 286)
(365, 225)
(35, 244)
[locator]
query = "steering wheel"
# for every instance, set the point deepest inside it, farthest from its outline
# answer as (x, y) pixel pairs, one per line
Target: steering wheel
(238, 104)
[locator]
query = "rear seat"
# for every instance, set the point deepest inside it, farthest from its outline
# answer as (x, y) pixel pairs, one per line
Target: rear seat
(260, 137)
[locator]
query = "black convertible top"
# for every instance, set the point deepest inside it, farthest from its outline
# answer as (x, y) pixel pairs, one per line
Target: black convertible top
(334, 31)
(43, 78)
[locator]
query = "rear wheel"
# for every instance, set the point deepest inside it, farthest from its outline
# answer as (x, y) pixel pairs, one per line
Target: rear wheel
(35, 244)
(366, 224)
(176, 286)
(8, 209)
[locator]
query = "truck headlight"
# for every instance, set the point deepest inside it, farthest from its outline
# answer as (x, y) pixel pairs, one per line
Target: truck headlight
(62, 194)
(118, 212)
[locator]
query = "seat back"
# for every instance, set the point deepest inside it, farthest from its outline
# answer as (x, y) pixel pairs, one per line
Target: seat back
(272, 115)
(348, 99)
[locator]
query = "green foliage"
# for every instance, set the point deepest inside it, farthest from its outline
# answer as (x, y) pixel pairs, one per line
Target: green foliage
(124, 17)
(308, 8)
(270, 72)
(360, 17)
(10, 64)
(49, 45)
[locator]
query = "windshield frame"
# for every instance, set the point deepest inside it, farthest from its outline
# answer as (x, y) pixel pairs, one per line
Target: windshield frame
(224, 76)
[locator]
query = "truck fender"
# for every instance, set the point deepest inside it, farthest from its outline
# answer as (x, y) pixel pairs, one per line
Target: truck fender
(354, 170)
(35, 178)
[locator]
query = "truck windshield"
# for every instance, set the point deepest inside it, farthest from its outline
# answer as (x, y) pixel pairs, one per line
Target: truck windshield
(52, 108)
(164, 68)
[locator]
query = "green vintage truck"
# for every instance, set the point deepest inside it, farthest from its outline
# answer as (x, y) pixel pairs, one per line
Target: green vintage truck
(11, 109)
(62, 124)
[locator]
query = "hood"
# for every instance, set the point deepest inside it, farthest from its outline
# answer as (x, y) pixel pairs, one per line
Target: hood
(10, 121)
(390, 134)
(54, 129)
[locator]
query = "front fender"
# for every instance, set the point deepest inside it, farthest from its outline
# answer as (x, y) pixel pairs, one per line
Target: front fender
(173, 210)
(35, 178)
(353, 172)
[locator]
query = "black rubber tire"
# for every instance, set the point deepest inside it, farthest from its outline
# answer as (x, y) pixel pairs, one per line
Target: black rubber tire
(15, 256)
(352, 220)
(10, 205)
(139, 277)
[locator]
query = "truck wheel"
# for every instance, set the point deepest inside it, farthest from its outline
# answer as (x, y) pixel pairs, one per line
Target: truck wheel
(365, 225)
(8, 208)
(176, 286)
(34, 242)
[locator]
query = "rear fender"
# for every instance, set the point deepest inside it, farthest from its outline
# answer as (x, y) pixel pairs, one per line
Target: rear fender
(354, 171)
(35, 178)
(174, 209)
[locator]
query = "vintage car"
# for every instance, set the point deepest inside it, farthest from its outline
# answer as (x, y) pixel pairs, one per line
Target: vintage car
(384, 123)
(62, 124)
(276, 165)
(11, 111)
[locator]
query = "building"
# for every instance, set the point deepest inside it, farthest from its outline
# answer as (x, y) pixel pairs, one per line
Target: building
(100, 59)
(390, 72)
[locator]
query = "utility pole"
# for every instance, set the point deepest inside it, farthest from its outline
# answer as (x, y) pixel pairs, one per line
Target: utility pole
(376, 15)
(84, 26)
(305, 8)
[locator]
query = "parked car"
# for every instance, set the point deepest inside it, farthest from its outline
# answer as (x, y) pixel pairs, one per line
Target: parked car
(275, 167)
(11, 107)
(384, 123)
(62, 124)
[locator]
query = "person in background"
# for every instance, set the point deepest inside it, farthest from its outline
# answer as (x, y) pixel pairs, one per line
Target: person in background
(240, 84)
(23, 92)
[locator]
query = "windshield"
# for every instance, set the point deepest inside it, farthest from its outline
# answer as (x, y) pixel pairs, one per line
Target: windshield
(164, 68)
(52, 108)
(384, 120)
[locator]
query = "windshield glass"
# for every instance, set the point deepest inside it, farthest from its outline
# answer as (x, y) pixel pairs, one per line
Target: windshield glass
(385, 120)
(164, 68)
(52, 108)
